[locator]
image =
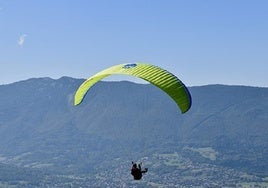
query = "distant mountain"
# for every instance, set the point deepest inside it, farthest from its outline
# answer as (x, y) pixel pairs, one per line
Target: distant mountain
(40, 129)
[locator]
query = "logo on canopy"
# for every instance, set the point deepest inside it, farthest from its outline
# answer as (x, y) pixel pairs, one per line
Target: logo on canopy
(128, 66)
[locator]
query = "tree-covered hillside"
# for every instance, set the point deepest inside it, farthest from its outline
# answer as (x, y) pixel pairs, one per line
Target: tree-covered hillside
(223, 135)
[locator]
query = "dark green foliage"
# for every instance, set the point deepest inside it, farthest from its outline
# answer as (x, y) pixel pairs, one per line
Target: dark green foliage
(40, 129)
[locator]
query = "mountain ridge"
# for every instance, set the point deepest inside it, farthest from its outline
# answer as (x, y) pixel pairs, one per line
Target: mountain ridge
(40, 128)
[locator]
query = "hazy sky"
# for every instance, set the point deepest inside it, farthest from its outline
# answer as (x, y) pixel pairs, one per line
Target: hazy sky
(200, 41)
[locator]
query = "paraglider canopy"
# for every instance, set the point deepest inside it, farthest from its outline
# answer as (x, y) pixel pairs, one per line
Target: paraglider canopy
(157, 76)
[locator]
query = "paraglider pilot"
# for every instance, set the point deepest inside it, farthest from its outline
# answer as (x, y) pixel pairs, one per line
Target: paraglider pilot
(136, 171)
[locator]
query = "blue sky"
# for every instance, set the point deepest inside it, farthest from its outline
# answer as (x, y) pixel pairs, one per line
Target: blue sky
(200, 41)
